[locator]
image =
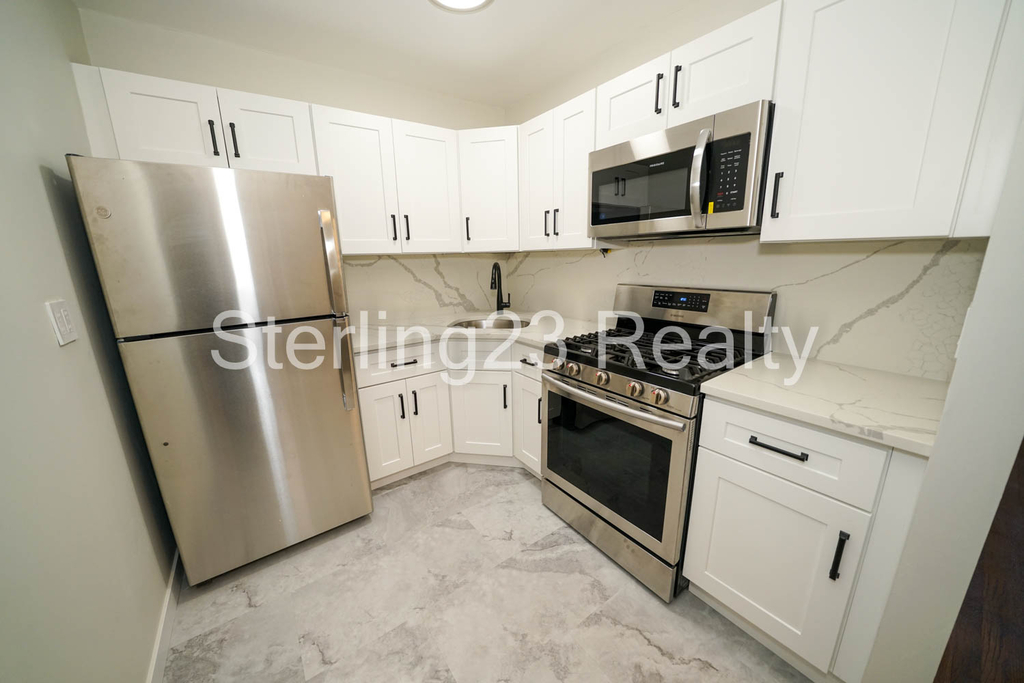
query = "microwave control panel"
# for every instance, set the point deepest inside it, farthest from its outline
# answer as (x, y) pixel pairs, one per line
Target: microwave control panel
(729, 157)
(681, 301)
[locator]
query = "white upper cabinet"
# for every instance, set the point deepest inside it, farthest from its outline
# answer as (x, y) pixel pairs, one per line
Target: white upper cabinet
(427, 164)
(267, 133)
(573, 141)
(489, 173)
(876, 104)
(536, 171)
(727, 68)
(634, 103)
(358, 152)
(156, 119)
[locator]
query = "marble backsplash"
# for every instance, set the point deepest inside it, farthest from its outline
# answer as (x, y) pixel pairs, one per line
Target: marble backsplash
(896, 306)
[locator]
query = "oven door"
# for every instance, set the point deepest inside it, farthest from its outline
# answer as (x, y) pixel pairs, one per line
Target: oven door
(623, 462)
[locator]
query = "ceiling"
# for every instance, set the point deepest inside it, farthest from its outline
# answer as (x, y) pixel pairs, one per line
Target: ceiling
(496, 56)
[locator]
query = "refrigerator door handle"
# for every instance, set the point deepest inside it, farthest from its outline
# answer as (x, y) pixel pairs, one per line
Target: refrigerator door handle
(345, 363)
(332, 256)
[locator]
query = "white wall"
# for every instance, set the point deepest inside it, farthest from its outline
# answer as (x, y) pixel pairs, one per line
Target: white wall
(693, 19)
(977, 443)
(84, 542)
(143, 48)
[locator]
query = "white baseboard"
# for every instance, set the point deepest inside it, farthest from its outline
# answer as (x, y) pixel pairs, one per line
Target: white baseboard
(162, 643)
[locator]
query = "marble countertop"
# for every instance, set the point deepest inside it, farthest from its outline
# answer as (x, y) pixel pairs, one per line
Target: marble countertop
(894, 410)
(377, 335)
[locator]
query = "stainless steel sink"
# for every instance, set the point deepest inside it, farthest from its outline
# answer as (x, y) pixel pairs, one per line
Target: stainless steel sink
(497, 323)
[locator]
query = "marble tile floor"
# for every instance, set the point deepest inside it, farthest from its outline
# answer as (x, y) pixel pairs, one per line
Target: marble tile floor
(459, 575)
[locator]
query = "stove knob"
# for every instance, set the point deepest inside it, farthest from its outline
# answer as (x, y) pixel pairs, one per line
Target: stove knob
(660, 397)
(601, 377)
(635, 389)
(557, 364)
(573, 369)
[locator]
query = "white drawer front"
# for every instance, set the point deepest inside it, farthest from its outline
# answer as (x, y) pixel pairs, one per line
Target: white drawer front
(462, 354)
(523, 356)
(836, 466)
(393, 364)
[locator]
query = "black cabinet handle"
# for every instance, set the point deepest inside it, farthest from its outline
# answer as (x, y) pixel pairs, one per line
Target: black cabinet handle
(833, 573)
(213, 136)
(401, 403)
(527, 361)
(616, 186)
(406, 217)
(394, 228)
(546, 233)
(657, 93)
(802, 457)
(467, 228)
(415, 403)
(775, 196)
(675, 86)
(623, 186)
(234, 139)
(539, 421)
(504, 396)
(554, 223)
(414, 361)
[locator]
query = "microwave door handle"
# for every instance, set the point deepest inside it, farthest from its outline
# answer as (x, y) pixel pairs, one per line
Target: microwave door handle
(696, 178)
(612, 407)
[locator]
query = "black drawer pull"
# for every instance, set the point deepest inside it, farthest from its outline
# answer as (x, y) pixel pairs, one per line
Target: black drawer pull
(394, 228)
(234, 139)
(833, 573)
(657, 93)
(504, 396)
(401, 402)
(414, 361)
(802, 457)
(527, 361)
(213, 136)
(775, 196)
(539, 421)
(415, 403)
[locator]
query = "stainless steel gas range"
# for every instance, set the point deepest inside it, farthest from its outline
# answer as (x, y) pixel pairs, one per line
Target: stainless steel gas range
(621, 410)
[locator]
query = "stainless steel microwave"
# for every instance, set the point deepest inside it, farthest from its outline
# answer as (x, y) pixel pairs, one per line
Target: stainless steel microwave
(646, 188)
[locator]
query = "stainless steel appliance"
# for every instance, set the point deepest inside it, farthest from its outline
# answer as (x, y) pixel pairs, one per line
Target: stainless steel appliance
(252, 460)
(646, 188)
(620, 415)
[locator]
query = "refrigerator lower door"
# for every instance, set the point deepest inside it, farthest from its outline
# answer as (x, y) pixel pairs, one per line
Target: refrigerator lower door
(250, 460)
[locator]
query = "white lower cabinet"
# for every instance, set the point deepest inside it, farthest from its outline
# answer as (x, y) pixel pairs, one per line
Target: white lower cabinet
(766, 548)
(482, 414)
(526, 413)
(405, 423)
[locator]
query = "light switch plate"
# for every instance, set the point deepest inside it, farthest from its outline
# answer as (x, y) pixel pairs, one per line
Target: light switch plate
(60, 318)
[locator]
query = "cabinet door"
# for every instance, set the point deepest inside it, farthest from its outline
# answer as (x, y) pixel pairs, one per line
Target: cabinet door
(536, 167)
(765, 548)
(358, 152)
(427, 161)
(385, 409)
(482, 414)
(267, 133)
(634, 103)
(526, 407)
(156, 119)
(431, 420)
(727, 68)
(574, 141)
(489, 173)
(876, 103)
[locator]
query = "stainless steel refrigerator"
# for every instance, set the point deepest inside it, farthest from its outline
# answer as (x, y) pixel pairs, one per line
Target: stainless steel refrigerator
(251, 460)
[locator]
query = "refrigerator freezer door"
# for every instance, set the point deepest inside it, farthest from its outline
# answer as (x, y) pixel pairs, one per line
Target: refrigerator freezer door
(249, 461)
(176, 245)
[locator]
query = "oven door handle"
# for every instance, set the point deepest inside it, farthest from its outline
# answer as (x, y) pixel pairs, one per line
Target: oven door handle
(697, 178)
(613, 407)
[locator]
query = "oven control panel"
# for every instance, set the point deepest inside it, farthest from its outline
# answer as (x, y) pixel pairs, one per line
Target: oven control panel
(682, 301)
(729, 160)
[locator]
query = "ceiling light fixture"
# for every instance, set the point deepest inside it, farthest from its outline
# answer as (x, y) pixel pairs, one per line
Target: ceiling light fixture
(462, 5)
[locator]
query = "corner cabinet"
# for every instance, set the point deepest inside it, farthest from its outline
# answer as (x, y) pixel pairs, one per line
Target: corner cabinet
(482, 414)
(489, 179)
(427, 168)
(875, 109)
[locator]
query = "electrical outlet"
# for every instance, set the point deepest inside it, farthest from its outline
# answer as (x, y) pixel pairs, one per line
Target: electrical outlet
(60, 318)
